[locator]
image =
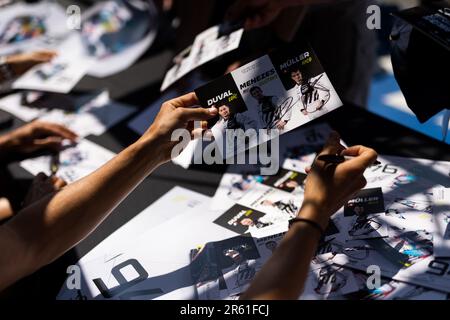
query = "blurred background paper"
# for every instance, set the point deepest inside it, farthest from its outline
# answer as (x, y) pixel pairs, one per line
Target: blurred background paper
(62, 73)
(22, 25)
(116, 33)
(93, 117)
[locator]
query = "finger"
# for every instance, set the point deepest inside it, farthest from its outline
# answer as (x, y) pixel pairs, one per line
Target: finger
(196, 133)
(363, 156)
(40, 177)
(307, 169)
(196, 114)
(333, 144)
(58, 183)
(362, 182)
(187, 100)
(49, 143)
(47, 53)
(46, 128)
(43, 57)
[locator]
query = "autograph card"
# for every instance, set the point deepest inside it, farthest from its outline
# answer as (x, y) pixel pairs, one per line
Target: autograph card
(287, 180)
(282, 90)
(241, 219)
(208, 45)
(366, 201)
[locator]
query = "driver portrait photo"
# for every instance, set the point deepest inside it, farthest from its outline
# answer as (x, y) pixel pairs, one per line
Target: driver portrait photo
(271, 114)
(311, 92)
(234, 121)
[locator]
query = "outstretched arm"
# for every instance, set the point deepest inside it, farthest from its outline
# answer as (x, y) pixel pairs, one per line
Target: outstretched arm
(48, 228)
(327, 188)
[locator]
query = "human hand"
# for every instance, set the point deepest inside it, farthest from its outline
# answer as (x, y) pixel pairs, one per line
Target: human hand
(178, 113)
(41, 187)
(36, 136)
(281, 124)
(22, 62)
(320, 106)
(328, 187)
(6, 210)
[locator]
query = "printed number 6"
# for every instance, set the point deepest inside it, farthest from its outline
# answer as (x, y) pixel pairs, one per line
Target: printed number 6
(123, 283)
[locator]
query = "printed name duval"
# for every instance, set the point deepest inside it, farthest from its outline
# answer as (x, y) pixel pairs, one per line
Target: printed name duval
(227, 309)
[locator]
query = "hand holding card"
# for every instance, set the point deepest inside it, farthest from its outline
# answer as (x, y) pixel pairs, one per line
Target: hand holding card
(328, 187)
(178, 113)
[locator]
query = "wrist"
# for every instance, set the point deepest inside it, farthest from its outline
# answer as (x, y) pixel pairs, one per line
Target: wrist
(148, 147)
(7, 143)
(312, 210)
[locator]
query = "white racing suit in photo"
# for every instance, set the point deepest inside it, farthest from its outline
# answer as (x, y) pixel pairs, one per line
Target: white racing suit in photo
(313, 97)
(271, 112)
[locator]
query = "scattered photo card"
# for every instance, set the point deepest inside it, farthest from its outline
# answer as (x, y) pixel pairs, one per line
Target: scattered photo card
(84, 114)
(329, 282)
(366, 201)
(359, 226)
(241, 219)
(286, 180)
(93, 117)
(240, 179)
(233, 186)
(164, 259)
(62, 73)
(390, 290)
(279, 206)
(405, 256)
(72, 163)
(14, 105)
(224, 269)
(208, 45)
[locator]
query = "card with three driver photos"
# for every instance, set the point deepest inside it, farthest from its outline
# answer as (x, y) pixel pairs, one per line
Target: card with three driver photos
(269, 96)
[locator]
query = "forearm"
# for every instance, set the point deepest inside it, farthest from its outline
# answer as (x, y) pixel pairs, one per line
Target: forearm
(57, 223)
(284, 275)
(5, 147)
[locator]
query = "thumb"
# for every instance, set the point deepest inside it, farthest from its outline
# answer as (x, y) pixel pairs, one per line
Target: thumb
(333, 144)
(193, 114)
(50, 143)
